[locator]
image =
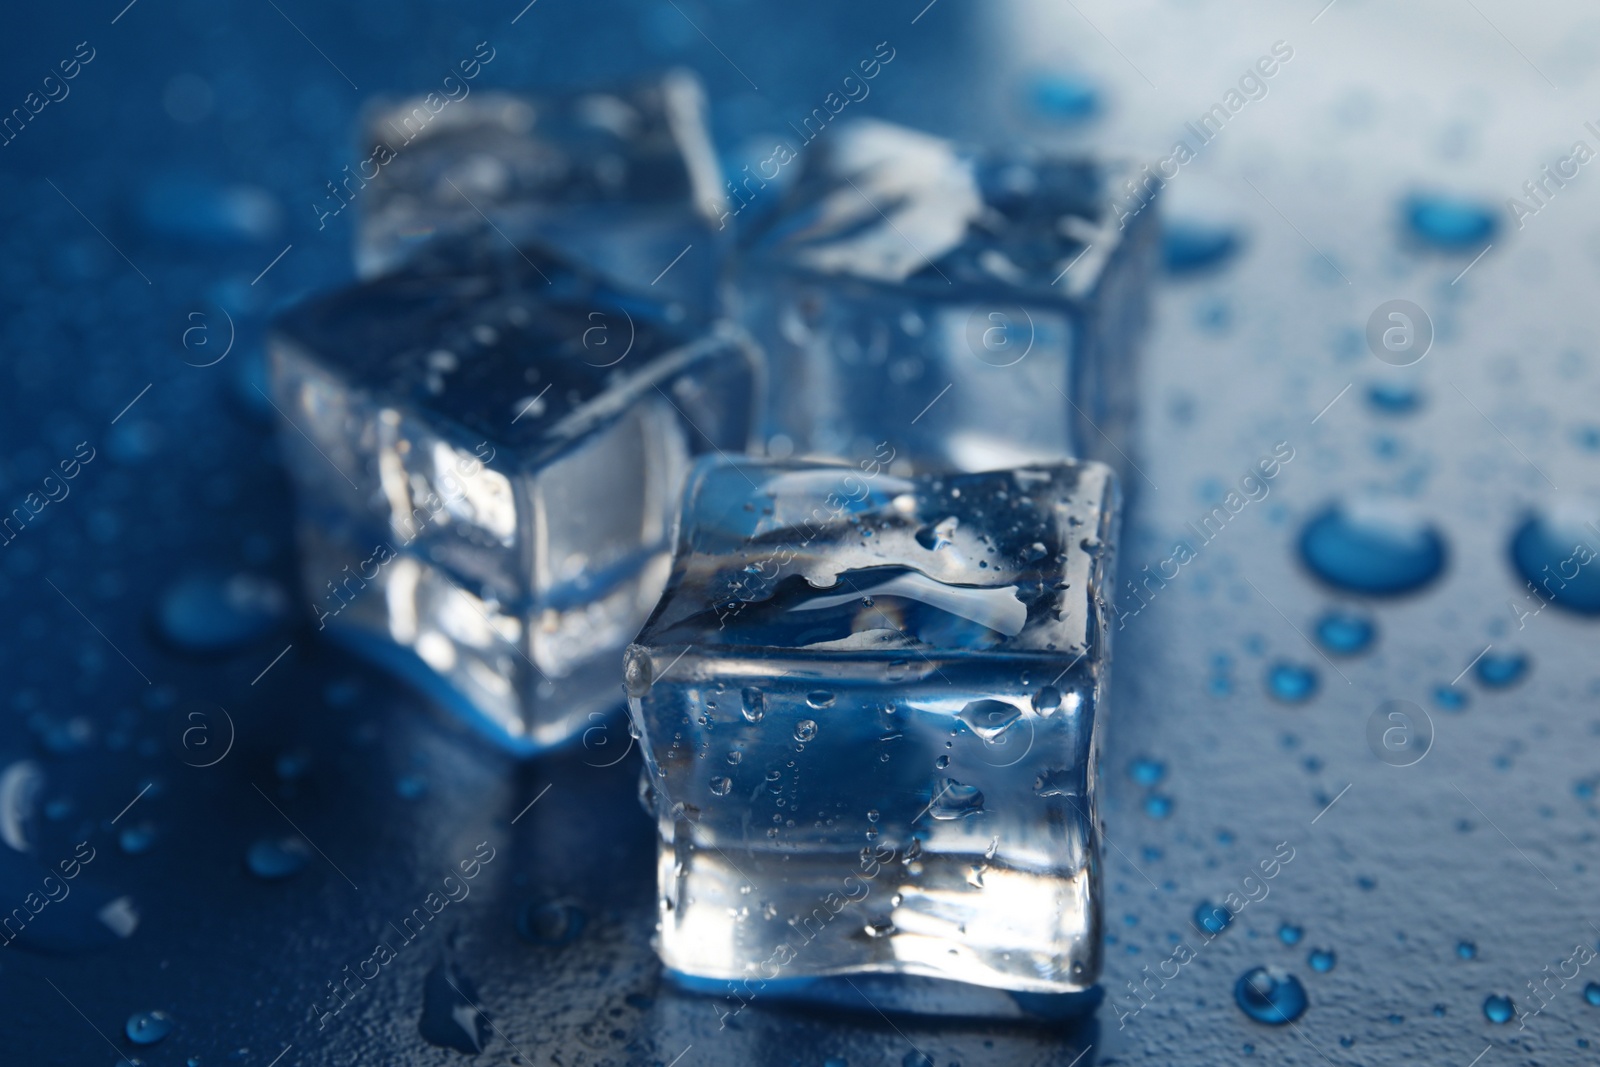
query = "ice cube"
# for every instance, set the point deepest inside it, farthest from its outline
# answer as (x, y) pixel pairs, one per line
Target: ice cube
(870, 716)
(624, 180)
(978, 310)
(487, 450)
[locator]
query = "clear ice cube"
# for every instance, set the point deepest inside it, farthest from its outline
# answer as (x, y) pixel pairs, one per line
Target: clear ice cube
(487, 449)
(870, 716)
(978, 310)
(624, 180)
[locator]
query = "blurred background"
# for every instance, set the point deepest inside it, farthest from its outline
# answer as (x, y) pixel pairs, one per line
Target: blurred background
(249, 808)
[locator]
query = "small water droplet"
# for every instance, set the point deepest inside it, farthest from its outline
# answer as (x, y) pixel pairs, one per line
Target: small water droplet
(819, 699)
(879, 928)
(1393, 398)
(1047, 700)
(277, 858)
(1345, 633)
(1467, 950)
(1372, 547)
(148, 1027)
(1499, 670)
(720, 786)
(1591, 994)
(137, 839)
(755, 704)
(1321, 960)
(805, 730)
(1158, 806)
(1189, 247)
(1212, 918)
(1498, 1009)
(1270, 995)
(1292, 683)
(1146, 771)
(1448, 223)
(210, 613)
(1290, 934)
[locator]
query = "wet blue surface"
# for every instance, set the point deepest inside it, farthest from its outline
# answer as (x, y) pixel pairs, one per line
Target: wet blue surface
(157, 213)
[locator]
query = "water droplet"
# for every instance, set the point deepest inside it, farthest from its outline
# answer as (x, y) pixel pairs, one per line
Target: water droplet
(916, 1059)
(938, 535)
(1292, 683)
(1157, 806)
(638, 674)
(735, 757)
(1345, 633)
(1393, 398)
(1591, 993)
(952, 800)
(276, 858)
(137, 839)
(411, 786)
(148, 1027)
(1498, 670)
(1064, 98)
(1270, 995)
(1290, 934)
(820, 699)
(1551, 550)
(1212, 918)
(1189, 247)
(989, 718)
(551, 923)
(879, 928)
(1448, 223)
(1498, 1009)
(1449, 697)
(1046, 700)
(805, 730)
(755, 704)
(1466, 950)
(1322, 960)
(209, 613)
(450, 1016)
(720, 786)
(1147, 771)
(1372, 547)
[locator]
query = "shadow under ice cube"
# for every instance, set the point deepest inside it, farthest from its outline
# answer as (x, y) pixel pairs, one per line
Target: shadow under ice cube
(978, 310)
(870, 709)
(487, 451)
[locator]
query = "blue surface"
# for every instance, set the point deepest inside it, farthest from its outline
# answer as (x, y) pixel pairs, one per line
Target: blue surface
(113, 282)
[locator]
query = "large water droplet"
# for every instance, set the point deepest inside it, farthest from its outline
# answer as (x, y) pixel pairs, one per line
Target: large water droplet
(1292, 683)
(276, 858)
(1372, 547)
(1212, 918)
(450, 1015)
(952, 800)
(1046, 700)
(1270, 995)
(148, 1027)
(551, 923)
(218, 613)
(1499, 670)
(1345, 633)
(1591, 994)
(1552, 551)
(989, 718)
(1498, 1009)
(1448, 223)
